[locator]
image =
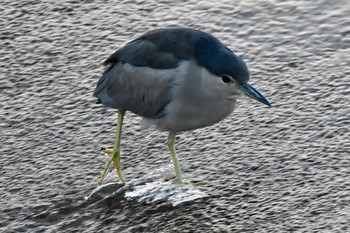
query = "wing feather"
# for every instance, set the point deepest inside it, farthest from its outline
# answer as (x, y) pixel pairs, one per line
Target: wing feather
(141, 90)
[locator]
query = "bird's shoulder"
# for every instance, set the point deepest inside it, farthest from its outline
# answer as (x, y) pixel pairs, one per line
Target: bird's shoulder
(165, 48)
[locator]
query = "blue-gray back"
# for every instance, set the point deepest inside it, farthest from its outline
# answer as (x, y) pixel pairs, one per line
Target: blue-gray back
(164, 48)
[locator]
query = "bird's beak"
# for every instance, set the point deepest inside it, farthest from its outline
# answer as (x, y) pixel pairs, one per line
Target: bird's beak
(251, 92)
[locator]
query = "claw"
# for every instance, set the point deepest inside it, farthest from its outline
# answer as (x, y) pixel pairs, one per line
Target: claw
(108, 151)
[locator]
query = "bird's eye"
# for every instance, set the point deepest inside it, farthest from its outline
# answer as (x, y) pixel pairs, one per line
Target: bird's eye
(226, 79)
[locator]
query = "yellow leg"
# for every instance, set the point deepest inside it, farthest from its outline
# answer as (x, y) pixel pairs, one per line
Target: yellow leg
(115, 158)
(171, 145)
(179, 180)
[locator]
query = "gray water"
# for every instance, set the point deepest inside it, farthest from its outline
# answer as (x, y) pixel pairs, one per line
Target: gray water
(284, 169)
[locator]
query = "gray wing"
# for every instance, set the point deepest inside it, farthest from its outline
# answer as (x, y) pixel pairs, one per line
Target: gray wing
(141, 90)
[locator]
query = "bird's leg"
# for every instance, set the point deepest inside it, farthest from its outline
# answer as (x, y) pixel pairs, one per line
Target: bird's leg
(179, 180)
(171, 144)
(115, 158)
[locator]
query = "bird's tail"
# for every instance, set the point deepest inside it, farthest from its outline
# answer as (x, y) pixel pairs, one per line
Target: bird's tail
(100, 91)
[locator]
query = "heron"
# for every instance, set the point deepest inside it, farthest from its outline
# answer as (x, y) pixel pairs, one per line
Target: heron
(176, 79)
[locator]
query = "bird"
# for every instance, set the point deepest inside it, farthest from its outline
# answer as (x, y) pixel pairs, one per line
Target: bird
(177, 79)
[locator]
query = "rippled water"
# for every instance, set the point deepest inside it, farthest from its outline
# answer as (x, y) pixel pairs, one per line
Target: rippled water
(284, 169)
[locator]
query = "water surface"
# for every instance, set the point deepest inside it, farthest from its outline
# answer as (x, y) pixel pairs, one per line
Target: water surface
(284, 169)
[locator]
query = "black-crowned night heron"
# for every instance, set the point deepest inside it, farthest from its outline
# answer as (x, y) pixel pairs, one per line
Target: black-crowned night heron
(177, 79)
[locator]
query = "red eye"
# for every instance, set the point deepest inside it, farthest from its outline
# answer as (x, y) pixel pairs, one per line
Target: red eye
(225, 79)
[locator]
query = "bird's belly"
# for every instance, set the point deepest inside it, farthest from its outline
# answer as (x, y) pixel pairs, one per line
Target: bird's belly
(192, 117)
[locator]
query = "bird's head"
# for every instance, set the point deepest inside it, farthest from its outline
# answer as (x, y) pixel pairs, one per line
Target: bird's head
(231, 69)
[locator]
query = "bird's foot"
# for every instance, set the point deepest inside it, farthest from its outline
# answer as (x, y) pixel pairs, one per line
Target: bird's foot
(115, 159)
